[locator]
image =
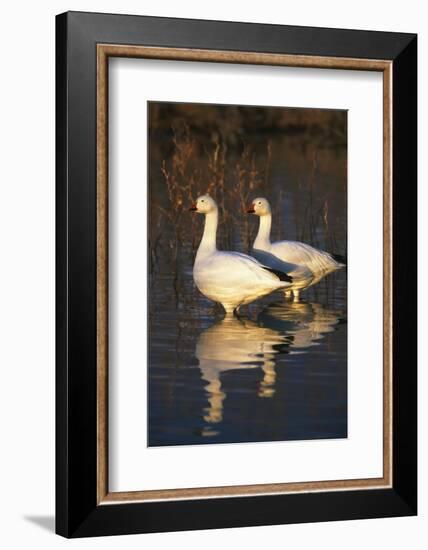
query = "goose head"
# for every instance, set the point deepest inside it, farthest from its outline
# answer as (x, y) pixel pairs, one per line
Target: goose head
(203, 205)
(260, 207)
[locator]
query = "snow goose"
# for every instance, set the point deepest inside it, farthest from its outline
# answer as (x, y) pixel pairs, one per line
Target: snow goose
(305, 264)
(230, 278)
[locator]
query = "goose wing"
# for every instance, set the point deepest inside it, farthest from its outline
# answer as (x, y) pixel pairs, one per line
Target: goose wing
(236, 269)
(258, 269)
(317, 261)
(294, 270)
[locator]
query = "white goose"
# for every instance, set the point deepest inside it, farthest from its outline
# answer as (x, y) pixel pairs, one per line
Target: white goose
(230, 278)
(305, 264)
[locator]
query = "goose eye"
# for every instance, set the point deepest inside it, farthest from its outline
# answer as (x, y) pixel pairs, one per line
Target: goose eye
(260, 202)
(202, 200)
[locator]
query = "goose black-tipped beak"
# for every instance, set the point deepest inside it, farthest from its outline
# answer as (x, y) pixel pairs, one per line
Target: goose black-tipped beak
(193, 208)
(250, 210)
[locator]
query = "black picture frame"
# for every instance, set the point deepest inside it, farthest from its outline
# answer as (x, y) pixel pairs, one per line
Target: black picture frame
(77, 512)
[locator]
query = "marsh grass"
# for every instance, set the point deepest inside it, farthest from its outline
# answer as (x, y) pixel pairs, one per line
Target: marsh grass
(233, 179)
(302, 174)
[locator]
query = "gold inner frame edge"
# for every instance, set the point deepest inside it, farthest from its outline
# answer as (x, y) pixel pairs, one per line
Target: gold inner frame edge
(104, 51)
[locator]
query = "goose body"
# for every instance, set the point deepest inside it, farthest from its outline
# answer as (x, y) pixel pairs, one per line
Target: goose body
(230, 278)
(304, 263)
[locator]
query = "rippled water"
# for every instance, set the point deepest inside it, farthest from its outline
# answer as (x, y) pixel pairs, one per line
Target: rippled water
(280, 371)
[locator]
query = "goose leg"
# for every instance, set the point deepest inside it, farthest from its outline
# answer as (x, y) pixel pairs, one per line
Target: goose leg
(296, 294)
(236, 311)
(287, 294)
(229, 309)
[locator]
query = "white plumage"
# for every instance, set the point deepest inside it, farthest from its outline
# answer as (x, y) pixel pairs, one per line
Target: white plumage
(304, 263)
(230, 278)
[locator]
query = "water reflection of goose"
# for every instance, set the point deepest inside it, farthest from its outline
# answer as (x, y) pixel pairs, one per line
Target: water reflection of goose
(236, 344)
(305, 323)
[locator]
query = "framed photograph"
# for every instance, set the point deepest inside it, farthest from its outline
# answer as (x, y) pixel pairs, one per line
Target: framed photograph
(236, 274)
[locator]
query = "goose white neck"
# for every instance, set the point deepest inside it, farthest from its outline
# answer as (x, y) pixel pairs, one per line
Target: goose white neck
(263, 236)
(209, 238)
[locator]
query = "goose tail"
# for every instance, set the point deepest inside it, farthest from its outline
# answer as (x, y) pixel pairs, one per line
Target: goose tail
(280, 274)
(339, 259)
